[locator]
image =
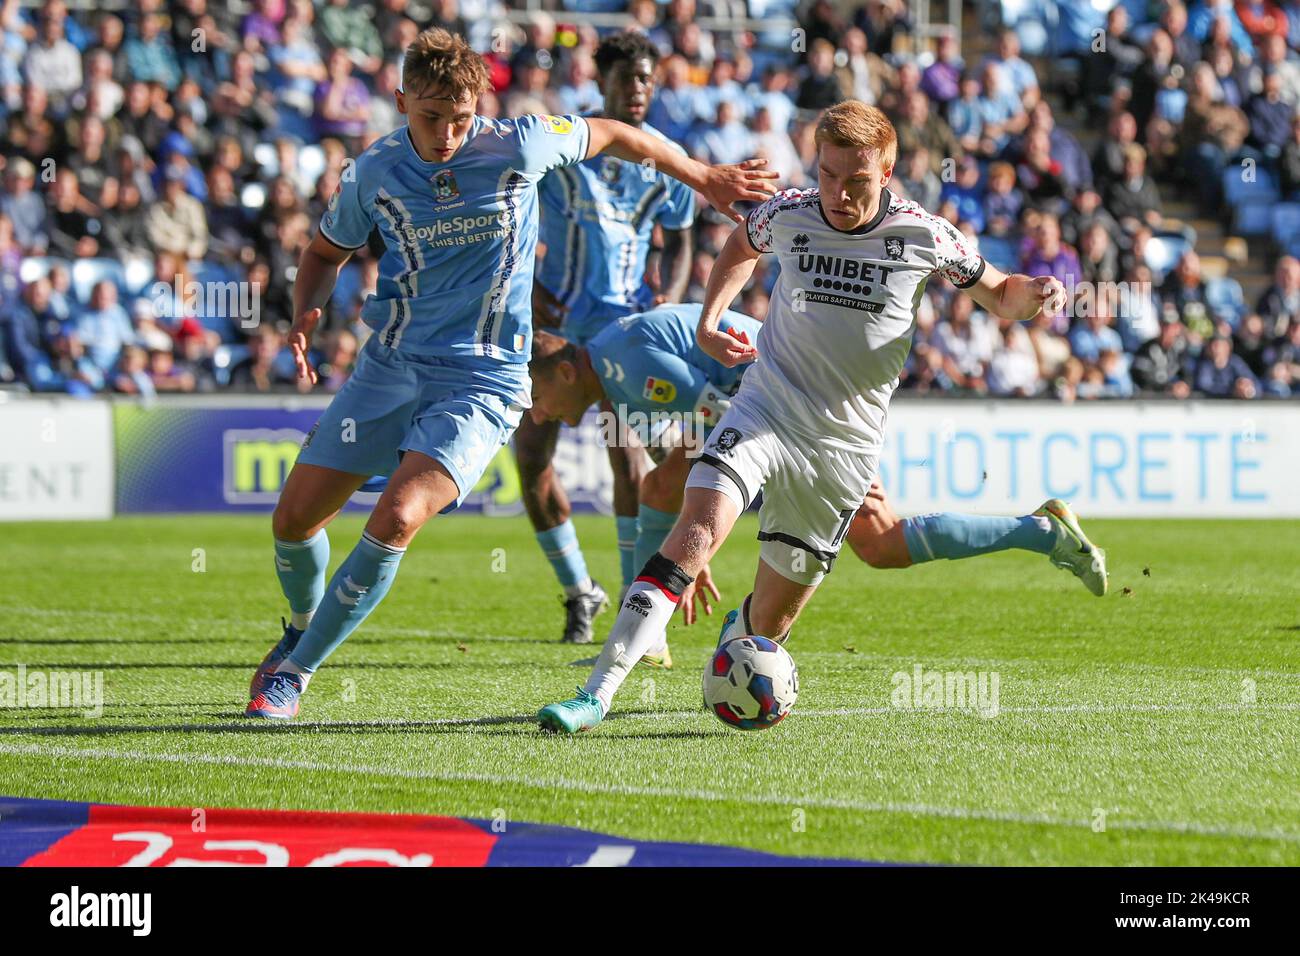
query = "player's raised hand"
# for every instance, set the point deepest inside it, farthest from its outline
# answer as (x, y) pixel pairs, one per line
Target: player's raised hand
(702, 587)
(1051, 294)
(300, 343)
(726, 185)
(729, 346)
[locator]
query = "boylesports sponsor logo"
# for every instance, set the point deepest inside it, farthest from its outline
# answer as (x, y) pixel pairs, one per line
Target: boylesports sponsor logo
(459, 230)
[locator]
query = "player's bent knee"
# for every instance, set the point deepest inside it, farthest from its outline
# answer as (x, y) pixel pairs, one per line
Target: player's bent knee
(293, 521)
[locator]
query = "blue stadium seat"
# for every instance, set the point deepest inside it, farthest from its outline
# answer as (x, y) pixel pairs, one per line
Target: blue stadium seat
(88, 273)
(1225, 299)
(37, 267)
(1261, 185)
(139, 274)
(1163, 252)
(225, 358)
(1285, 222)
(311, 163)
(253, 196)
(999, 252)
(1252, 217)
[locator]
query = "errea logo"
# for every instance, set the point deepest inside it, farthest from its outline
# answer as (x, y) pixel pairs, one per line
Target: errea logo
(800, 243)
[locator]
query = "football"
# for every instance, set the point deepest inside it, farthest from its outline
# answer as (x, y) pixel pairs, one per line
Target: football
(751, 683)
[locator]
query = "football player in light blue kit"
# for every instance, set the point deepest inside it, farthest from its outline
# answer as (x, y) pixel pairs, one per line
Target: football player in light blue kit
(598, 218)
(443, 380)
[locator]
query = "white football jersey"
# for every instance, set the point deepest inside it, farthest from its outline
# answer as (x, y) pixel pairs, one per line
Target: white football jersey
(842, 314)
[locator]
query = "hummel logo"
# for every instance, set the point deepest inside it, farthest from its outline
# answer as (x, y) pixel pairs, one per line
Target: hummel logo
(640, 603)
(800, 243)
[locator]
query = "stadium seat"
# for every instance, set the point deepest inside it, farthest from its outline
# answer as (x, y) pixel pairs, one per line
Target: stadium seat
(311, 163)
(35, 267)
(1253, 217)
(88, 273)
(1285, 223)
(253, 196)
(1226, 299)
(225, 358)
(999, 252)
(1238, 188)
(265, 156)
(1163, 252)
(139, 274)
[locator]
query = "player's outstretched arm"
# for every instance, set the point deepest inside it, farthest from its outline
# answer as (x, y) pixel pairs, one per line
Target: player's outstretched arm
(318, 270)
(1017, 296)
(722, 186)
(731, 270)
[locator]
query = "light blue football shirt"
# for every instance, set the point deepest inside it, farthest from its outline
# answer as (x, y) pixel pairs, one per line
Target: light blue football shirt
(456, 276)
(597, 220)
(650, 362)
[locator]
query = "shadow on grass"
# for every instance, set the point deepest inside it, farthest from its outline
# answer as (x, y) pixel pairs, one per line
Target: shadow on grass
(254, 726)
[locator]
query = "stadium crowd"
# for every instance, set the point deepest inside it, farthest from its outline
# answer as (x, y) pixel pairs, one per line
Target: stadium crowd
(166, 163)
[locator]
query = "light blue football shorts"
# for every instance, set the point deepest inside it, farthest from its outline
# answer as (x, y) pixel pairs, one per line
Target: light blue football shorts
(458, 412)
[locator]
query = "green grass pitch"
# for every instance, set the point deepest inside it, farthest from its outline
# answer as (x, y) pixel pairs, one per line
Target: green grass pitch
(1160, 725)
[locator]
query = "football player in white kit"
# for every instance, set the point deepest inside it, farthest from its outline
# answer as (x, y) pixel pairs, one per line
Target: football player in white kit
(808, 423)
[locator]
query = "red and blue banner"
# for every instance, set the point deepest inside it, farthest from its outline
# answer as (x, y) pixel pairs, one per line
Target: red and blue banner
(60, 833)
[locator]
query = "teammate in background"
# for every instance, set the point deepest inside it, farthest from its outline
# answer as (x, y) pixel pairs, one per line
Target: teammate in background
(597, 221)
(652, 380)
(807, 425)
(443, 381)
(652, 371)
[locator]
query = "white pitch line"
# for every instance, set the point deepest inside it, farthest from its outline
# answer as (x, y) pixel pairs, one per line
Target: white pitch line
(585, 786)
(416, 723)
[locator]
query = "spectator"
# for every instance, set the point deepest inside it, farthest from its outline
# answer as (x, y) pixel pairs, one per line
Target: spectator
(177, 223)
(105, 326)
(150, 58)
(1251, 341)
(75, 227)
(131, 377)
(1279, 305)
(939, 80)
(259, 372)
(1134, 198)
(1094, 334)
(1163, 364)
(1212, 131)
(1270, 117)
(820, 87)
(342, 102)
(1046, 255)
(965, 343)
(1002, 201)
(1184, 291)
(52, 63)
(23, 206)
(349, 30)
(920, 127)
(1222, 374)
(1013, 370)
(725, 141)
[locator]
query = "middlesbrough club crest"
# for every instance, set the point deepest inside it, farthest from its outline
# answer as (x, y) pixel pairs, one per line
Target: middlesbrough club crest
(894, 247)
(444, 186)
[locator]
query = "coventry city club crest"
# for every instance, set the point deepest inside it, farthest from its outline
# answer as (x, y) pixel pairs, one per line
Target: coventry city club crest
(610, 169)
(894, 247)
(444, 186)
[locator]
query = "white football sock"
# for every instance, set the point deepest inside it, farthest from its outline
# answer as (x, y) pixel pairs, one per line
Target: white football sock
(642, 621)
(287, 666)
(573, 590)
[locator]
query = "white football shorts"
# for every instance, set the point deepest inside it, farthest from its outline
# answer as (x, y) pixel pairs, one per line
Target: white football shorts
(811, 491)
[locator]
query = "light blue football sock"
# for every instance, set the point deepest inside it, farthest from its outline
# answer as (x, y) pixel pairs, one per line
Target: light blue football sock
(654, 525)
(301, 566)
(560, 545)
(627, 532)
(356, 589)
(955, 536)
